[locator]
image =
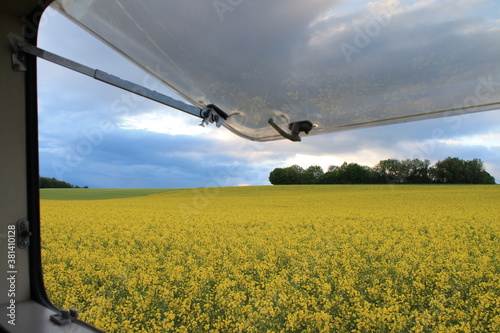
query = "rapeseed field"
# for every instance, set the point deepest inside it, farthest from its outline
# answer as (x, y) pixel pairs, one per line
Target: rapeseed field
(280, 259)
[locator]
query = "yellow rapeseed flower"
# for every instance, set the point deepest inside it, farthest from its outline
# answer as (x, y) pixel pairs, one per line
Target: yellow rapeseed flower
(280, 259)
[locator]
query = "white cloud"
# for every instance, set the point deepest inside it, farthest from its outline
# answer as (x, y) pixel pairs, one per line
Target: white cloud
(174, 122)
(384, 6)
(487, 140)
(164, 121)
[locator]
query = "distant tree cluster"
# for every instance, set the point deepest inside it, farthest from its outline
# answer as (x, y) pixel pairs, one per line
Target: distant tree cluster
(54, 183)
(451, 170)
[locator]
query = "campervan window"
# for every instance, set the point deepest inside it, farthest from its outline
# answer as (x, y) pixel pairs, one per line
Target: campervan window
(152, 223)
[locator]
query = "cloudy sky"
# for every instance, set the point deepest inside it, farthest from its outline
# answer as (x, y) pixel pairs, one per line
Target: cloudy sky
(92, 134)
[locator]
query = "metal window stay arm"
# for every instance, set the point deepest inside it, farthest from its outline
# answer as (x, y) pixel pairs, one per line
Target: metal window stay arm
(209, 114)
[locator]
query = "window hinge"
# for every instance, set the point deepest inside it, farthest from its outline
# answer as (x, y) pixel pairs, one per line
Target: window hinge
(65, 317)
(213, 114)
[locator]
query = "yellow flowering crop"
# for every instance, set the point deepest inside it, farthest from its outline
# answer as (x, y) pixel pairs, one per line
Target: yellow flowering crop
(280, 259)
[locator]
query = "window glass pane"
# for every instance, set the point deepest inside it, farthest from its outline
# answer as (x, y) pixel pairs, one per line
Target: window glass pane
(338, 64)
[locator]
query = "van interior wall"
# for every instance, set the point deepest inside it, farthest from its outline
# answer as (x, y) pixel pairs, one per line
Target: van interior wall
(13, 193)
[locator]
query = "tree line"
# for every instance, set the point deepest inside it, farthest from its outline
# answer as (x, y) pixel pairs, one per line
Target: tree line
(54, 183)
(451, 170)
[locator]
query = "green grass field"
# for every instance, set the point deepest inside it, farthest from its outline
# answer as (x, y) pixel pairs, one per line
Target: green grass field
(98, 193)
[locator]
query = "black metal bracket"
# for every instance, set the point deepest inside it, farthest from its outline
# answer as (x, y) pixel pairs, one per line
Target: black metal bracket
(213, 114)
(295, 128)
(65, 317)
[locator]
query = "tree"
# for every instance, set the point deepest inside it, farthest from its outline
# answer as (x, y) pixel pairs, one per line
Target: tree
(453, 170)
(410, 171)
(449, 171)
(295, 175)
(353, 173)
(45, 182)
(277, 176)
(472, 170)
(329, 177)
(288, 176)
(475, 173)
(415, 171)
(313, 174)
(332, 168)
(486, 178)
(390, 171)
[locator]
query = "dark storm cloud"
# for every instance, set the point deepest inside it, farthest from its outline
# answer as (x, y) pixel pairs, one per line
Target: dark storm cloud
(146, 159)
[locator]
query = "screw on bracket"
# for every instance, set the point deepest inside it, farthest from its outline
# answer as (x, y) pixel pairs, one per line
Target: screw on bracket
(19, 61)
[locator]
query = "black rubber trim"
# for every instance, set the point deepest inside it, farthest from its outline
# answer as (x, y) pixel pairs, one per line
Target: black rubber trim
(37, 288)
